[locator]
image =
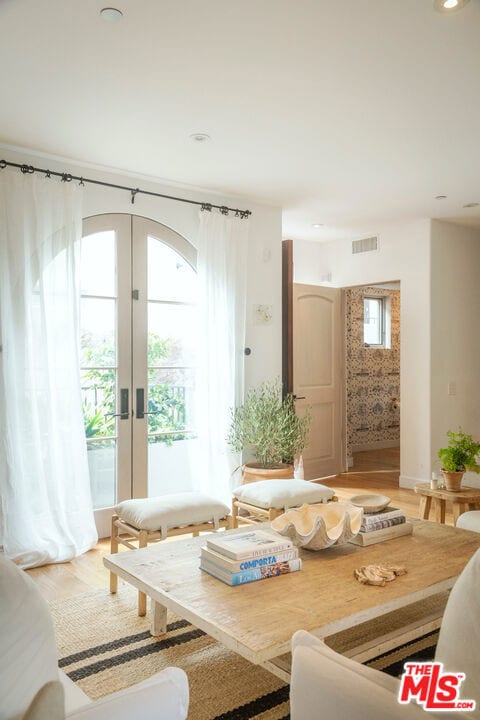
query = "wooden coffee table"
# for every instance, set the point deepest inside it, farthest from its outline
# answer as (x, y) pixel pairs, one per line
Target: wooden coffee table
(257, 620)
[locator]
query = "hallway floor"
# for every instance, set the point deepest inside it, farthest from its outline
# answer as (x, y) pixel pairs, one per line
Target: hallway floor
(376, 460)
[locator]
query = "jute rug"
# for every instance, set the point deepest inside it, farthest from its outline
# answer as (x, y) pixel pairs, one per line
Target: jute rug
(104, 647)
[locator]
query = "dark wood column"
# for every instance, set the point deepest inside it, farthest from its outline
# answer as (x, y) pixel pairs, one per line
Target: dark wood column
(287, 313)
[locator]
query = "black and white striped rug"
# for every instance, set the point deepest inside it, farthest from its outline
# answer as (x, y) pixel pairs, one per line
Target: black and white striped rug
(104, 647)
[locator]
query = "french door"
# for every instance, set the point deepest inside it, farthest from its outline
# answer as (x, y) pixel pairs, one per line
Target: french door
(138, 359)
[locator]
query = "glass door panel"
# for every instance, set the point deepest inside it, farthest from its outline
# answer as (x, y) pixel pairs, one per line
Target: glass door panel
(170, 275)
(171, 334)
(98, 362)
(138, 339)
(105, 252)
(170, 365)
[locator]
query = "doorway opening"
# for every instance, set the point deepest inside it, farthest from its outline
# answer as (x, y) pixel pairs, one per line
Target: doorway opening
(372, 375)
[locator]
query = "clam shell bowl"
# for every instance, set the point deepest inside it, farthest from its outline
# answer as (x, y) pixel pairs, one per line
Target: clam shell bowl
(316, 527)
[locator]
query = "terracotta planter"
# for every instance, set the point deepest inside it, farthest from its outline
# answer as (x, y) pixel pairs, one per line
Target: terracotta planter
(253, 472)
(453, 480)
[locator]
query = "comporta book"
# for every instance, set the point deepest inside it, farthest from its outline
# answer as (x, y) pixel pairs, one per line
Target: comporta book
(251, 544)
(233, 566)
(261, 573)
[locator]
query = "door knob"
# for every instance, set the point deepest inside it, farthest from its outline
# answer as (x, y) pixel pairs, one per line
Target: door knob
(124, 413)
(140, 412)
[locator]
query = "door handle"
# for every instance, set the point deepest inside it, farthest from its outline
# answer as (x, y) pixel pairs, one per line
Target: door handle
(124, 413)
(299, 397)
(140, 411)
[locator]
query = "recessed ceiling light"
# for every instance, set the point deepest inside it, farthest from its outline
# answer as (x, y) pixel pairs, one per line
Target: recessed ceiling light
(440, 197)
(467, 205)
(449, 6)
(200, 137)
(317, 225)
(110, 14)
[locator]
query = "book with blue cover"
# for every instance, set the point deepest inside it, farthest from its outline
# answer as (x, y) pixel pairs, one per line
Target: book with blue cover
(247, 576)
(234, 566)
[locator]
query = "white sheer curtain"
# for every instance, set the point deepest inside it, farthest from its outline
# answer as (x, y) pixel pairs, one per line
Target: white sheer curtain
(45, 493)
(222, 276)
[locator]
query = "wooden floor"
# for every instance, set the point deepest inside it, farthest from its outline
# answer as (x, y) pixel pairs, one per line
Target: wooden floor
(87, 571)
(376, 460)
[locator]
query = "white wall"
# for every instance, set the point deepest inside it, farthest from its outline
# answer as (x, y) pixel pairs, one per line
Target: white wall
(404, 254)
(265, 249)
(455, 339)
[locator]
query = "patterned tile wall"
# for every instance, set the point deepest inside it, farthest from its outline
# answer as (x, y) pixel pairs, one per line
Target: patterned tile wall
(373, 374)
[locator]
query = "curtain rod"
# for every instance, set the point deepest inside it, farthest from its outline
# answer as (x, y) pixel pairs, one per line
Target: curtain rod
(68, 177)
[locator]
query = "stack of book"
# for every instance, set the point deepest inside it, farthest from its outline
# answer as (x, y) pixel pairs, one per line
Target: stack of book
(249, 556)
(383, 525)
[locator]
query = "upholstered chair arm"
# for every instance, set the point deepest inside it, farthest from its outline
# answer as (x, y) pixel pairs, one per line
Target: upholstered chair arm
(164, 696)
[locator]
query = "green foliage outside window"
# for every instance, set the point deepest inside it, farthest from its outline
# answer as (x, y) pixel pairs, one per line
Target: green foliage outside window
(166, 397)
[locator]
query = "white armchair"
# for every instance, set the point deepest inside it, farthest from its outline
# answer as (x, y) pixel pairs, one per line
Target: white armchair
(29, 661)
(326, 684)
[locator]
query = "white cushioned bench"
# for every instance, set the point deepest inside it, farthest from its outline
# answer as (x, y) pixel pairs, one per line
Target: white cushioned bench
(267, 499)
(145, 520)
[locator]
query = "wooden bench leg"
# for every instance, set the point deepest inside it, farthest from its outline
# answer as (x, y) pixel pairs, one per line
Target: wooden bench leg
(142, 598)
(234, 520)
(424, 509)
(113, 550)
(439, 510)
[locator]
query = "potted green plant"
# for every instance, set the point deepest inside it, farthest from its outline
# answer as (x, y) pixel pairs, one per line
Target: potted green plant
(461, 454)
(268, 427)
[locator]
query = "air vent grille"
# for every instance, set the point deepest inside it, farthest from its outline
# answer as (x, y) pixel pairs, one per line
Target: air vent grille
(364, 245)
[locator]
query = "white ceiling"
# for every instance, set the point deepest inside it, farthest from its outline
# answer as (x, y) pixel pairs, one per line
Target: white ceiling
(350, 113)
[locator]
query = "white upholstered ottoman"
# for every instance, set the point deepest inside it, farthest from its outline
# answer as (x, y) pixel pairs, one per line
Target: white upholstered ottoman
(145, 520)
(267, 499)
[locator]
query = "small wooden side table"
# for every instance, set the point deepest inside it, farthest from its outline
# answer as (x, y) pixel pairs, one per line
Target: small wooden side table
(465, 499)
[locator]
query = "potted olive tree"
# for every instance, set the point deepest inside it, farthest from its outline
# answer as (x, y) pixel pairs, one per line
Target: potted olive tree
(267, 426)
(461, 454)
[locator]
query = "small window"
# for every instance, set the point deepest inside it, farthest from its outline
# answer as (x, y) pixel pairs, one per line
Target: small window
(374, 311)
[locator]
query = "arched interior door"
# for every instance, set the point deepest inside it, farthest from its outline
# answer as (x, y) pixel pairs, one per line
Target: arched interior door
(138, 359)
(318, 375)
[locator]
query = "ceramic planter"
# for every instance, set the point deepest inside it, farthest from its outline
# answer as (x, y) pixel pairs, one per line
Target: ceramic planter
(453, 480)
(252, 472)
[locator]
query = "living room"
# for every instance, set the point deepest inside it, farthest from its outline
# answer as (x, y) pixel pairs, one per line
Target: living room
(329, 124)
